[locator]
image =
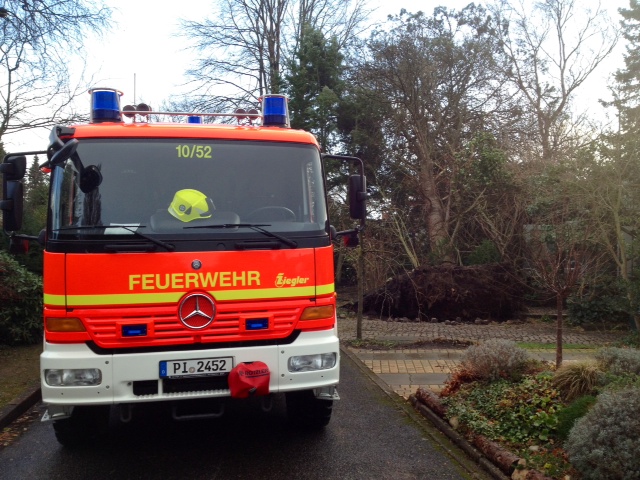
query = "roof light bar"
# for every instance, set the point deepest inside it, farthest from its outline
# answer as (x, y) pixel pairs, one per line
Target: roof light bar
(105, 105)
(274, 111)
(130, 111)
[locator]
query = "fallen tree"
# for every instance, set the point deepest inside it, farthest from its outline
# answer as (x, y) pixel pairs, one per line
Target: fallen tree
(449, 292)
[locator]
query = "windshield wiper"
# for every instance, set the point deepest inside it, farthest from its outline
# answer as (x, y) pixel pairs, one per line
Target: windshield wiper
(257, 227)
(130, 228)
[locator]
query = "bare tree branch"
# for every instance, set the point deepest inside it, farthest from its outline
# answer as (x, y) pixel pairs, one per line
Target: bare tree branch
(36, 37)
(548, 54)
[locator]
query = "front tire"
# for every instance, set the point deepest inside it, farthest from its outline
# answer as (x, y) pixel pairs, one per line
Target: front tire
(306, 411)
(86, 425)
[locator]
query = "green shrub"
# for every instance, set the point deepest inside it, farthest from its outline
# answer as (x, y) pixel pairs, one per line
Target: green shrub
(619, 361)
(568, 416)
(607, 305)
(484, 254)
(577, 379)
(547, 319)
(495, 359)
(604, 443)
(620, 382)
(632, 340)
(21, 305)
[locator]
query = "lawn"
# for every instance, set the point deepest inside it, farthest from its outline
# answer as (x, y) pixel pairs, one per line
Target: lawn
(552, 346)
(19, 371)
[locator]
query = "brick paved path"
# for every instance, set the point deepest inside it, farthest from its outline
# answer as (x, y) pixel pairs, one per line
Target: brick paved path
(407, 369)
(374, 329)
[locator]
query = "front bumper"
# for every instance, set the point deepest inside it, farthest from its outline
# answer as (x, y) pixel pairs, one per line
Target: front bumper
(123, 374)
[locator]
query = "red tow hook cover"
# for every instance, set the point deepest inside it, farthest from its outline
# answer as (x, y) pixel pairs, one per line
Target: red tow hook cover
(249, 379)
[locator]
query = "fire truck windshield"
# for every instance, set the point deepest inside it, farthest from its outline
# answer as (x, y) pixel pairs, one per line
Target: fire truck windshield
(176, 188)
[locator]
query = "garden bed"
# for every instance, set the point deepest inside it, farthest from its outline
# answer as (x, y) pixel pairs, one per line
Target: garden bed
(533, 422)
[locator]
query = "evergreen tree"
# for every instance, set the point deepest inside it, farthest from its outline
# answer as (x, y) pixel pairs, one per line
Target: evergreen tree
(435, 78)
(3, 243)
(37, 187)
(35, 209)
(314, 85)
(614, 184)
(628, 78)
(2, 154)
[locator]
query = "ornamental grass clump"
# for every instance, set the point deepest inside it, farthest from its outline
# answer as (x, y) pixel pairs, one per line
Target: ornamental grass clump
(604, 443)
(574, 380)
(495, 359)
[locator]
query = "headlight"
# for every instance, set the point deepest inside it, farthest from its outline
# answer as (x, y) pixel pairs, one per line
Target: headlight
(77, 377)
(309, 363)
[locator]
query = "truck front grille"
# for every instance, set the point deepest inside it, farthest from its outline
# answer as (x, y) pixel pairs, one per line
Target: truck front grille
(200, 384)
(162, 326)
(143, 388)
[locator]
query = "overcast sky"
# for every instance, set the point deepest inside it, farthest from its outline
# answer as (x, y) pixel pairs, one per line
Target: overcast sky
(146, 43)
(143, 43)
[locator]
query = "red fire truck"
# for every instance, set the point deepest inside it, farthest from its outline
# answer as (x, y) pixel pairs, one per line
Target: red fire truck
(185, 263)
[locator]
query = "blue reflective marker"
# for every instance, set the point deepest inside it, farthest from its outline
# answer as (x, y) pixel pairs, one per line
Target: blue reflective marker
(134, 330)
(257, 324)
(194, 119)
(105, 105)
(274, 111)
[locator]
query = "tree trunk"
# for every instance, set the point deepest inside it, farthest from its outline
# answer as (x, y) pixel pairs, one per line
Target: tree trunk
(432, 401)
(636, 314)
(503, 458)
(435, 215)
(559, 322)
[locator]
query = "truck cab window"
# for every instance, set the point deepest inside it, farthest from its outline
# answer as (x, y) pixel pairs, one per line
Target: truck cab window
(279, 185)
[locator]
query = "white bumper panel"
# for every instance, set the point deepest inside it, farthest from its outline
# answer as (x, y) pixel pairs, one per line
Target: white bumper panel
(119, 372)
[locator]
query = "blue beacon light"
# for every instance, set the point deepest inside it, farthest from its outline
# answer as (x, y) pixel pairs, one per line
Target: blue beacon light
(105, 105)
(274, 111)
(194, 119)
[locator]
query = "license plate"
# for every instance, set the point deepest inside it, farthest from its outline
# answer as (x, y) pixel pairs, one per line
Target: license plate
(196, 368)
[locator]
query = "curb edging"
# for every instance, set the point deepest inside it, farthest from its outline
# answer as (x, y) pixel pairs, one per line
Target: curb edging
(457, 439)
(19, 405)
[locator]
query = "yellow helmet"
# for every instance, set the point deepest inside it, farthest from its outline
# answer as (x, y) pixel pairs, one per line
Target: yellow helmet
(190, 205)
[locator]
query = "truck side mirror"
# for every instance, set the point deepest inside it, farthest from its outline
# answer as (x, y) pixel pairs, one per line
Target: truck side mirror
(356, 190)
(14, 167)
(13, 170)
(357, 193)
(90, 177)
(12, 205)
(65, 153)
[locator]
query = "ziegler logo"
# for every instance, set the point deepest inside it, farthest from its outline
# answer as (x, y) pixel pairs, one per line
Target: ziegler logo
(282, 281)
(254, 373)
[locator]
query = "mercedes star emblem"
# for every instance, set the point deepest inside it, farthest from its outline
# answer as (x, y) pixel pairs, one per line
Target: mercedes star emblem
(197, 311)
